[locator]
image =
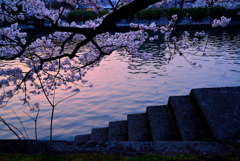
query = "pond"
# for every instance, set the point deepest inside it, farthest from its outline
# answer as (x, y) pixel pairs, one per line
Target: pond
(119, 91)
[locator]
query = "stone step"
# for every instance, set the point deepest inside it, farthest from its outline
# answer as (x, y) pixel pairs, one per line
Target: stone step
(187, 120)
(221, 109)
(138, 127)
(99, 134)
(82, 137)
(160, 123)
(118, 131)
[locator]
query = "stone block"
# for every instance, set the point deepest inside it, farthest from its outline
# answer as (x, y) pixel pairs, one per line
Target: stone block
(187, 119)
(99, 134)
(118, 131)
(221, 109)
(82, 137)
(138, 127)
(160, 123)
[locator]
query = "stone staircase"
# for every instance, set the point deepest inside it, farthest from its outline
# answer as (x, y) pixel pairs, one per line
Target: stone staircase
(204, 114)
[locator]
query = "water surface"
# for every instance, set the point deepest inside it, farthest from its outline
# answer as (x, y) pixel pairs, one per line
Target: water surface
(119, 91)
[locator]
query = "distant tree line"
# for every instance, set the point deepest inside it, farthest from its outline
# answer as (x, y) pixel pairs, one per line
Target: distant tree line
(196, 14)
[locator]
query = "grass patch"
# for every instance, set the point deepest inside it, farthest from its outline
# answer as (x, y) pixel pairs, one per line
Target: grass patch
(96, 157)
(207, 139)
(87, 157)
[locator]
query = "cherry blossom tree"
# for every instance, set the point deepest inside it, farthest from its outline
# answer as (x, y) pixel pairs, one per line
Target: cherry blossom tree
(63, 57)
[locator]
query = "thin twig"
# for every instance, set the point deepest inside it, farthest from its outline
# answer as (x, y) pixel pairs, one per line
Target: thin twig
(29, 115)
(36, 124)
(35, 120)
(17, 130)
(51, 122)
(65, 98)
(20, 122)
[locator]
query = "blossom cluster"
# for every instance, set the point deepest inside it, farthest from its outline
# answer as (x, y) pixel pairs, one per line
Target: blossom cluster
(222, 23)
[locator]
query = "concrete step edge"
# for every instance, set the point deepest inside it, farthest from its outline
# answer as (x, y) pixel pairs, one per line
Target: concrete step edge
(138, 129)
(160, 123)
(189, 124)
(85, 137)
(220, 108)
(118, 131)
(99, 134)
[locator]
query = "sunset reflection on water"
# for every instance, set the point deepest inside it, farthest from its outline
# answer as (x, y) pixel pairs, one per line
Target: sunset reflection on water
(119, 91)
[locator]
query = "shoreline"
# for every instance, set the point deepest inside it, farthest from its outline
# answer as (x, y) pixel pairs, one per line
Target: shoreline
(126, 28)
(119, 148)
(185, 22)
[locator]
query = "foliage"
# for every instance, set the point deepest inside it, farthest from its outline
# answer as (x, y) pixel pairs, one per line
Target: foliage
(90, 157)
(197, 14)
(217, 11)
(232, 13)
(150, 14)
(147, 14)
(97, 157)
(174, 11)
(83, 15)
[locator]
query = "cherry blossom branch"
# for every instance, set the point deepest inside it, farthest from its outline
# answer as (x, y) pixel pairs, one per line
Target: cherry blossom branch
(108, 24)
(64, 43)
(29, 41)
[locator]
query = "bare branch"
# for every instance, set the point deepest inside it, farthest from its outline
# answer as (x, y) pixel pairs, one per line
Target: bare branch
(21, 123)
